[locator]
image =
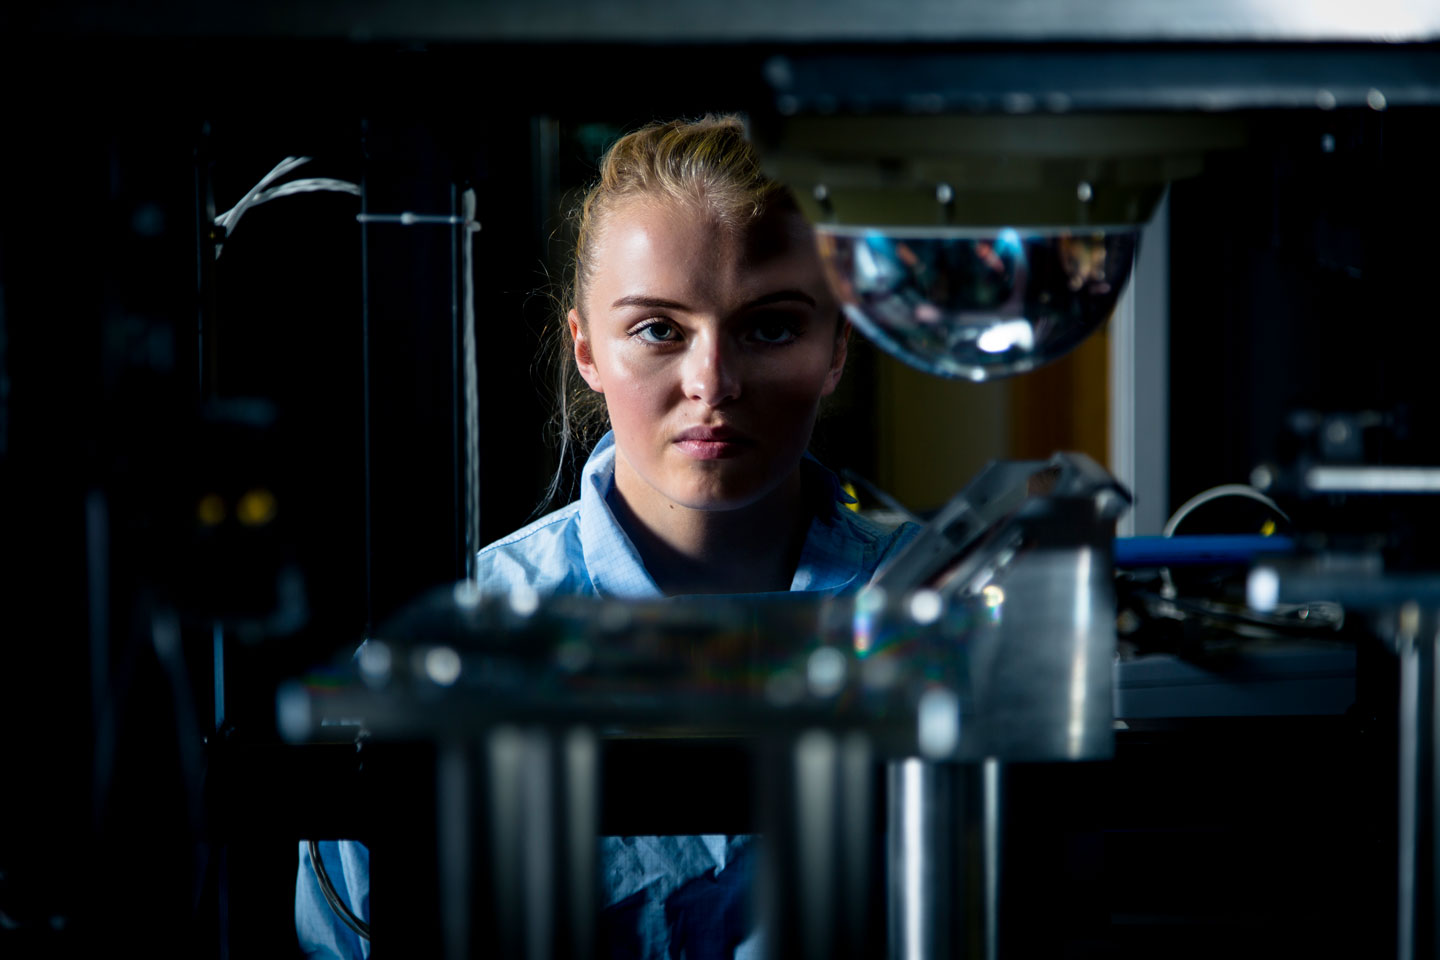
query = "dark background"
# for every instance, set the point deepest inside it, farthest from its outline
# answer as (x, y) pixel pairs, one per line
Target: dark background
(1300, 275)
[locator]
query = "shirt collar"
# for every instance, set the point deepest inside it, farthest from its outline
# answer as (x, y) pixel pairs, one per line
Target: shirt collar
(832, 559)
(614, 564)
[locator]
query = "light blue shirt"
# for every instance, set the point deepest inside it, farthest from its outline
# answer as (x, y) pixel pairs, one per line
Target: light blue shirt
(657, 885)
(581, 549)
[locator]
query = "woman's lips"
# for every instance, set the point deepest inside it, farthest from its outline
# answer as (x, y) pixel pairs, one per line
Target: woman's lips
(710, 443)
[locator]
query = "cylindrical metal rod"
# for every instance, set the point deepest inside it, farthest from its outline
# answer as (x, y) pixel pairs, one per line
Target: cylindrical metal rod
(1409, 654)
(582, 811)
(991, 839)
(537, 875)
(927, 856)
(816, 760)
(543, 801)
(453, 793)
(1433, 773)
(365, 420)
(857, 804)
(505, 753)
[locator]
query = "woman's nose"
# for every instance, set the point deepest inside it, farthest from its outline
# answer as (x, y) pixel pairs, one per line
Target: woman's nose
(711, 375)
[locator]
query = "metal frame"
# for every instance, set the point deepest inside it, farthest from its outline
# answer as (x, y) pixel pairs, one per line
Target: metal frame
(750, 21)
(1139, 381)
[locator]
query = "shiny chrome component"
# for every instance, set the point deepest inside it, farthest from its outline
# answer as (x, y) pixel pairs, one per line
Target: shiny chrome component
(1409, 790)
(1345, 479)
(818, 825)
(928, 859)
(542, 793)
(988, 639)
(1048, 699)
(817, 769)
(454, 792)
(792, 22)
(1024, 551)
(990, 839)
(976, 304)
(908, 907)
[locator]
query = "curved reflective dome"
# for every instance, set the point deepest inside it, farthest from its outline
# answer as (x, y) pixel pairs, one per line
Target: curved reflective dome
(976, 304)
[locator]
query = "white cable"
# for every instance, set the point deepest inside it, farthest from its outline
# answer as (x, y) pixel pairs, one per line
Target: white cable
(263, 192)
(1167, 583)
(310, 185)
(229, 218)
(472, 390)
(278, 171)
(1215, 493)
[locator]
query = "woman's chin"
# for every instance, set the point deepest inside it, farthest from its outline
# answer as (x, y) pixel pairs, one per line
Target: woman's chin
(731, 493)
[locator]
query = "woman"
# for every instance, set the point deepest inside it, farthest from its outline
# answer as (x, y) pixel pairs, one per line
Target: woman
(703, 332)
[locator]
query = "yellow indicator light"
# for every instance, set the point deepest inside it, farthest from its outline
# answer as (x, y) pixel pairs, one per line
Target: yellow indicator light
(256, 508)
(210, 511)
(1268, 529)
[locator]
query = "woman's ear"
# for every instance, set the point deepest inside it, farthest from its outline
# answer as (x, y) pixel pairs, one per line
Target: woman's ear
(837, 359)
(584, 358)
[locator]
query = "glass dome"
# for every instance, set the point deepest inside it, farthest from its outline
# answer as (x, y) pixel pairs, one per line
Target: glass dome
(977, 303)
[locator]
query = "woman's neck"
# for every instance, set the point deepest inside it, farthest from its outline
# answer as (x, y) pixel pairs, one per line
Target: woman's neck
(751, 549)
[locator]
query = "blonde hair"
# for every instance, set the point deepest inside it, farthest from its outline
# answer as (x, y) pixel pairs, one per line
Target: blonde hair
(707, 165)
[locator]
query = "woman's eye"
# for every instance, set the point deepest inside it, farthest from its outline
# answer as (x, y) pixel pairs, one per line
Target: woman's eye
(778, 330)
(657, 332)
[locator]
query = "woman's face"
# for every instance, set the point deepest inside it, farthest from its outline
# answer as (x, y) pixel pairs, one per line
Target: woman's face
(712, 346)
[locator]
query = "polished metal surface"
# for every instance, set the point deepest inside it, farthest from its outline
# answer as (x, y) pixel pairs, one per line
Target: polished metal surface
(1094, 81)
(1028, 543)
(817, 816)
(926, 859)
(770, 20)
(990, 635)
(941, 675)
(889, 665)
(541, 791)
(976, 305)
(1409, 794)
(1431, 909)
(818, 827)
(455, 793)
(1049, 699)
(992, 830)
(991, 641)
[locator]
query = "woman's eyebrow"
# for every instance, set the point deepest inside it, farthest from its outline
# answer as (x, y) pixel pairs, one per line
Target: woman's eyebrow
(660, 303)
(781, 296)
(640, 300)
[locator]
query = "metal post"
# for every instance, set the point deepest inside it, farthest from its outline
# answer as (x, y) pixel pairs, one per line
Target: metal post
(581, 788)
(1409, 654)
(927, 856)
(816, 773)
(1433, 809)
(453, 788)
(543, 798)
(365, 420)
(857, 788)
(990, 774)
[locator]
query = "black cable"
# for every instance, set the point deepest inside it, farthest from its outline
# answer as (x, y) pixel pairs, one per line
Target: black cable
(1312, 619)
(327, 889)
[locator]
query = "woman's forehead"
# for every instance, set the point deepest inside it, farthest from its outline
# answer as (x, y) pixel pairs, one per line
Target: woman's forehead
(648, 242)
